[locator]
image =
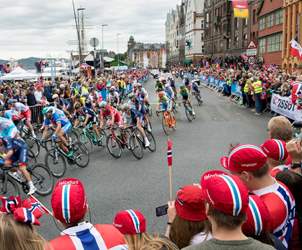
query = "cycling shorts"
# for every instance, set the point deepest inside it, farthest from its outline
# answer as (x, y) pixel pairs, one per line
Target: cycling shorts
(67, 127)
(21, 155)
(185, 97)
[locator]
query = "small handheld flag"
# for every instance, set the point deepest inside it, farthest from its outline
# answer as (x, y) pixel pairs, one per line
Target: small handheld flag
(169, 152)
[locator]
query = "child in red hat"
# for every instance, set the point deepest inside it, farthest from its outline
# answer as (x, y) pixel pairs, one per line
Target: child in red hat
(187, 221)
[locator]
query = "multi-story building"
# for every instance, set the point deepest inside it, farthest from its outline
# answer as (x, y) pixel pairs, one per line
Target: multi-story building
(146, 55)
(292, 29)
(270, 20)
(253, 20)
(225, 35)
(194, 30)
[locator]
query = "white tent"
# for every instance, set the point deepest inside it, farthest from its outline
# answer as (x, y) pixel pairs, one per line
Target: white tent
(19, 74)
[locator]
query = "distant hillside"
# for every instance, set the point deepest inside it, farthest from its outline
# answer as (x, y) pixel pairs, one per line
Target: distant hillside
(28, 63)
(3, 61)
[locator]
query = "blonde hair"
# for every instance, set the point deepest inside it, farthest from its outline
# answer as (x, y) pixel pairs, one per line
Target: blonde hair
(280, 128)
(18, 236)
(144, 241)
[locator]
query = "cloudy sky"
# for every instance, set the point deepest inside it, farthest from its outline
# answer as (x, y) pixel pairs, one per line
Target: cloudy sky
(46, 27)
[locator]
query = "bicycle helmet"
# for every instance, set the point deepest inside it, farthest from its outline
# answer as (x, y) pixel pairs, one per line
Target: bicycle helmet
(125, 107)
(102, 104)
(139, 85)
(11, 101)
(47, 110)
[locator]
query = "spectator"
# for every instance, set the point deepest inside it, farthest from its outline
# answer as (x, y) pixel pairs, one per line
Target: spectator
(69, 204)
(249, 163)
(280, 128)
(226, 202)
(18, 236)
(187, 221)
(158, 243)
(38, 93)
(276, 152)
(31, 99)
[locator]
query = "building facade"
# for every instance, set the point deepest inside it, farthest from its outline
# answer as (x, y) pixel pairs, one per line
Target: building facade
(292, 29)
(194, 30)
(270, 21)
(225, 35)
(146, 55)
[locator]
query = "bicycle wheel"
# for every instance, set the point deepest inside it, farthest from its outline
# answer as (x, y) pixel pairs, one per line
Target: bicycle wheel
(74, 136)
(152, 141)
(56, 163)
(86, 141)
(136, 147)
(9, 187)
(189, 114)
(33, 145)
(42, 178)
(199, 100)
(81, 155)
(165, 125)
(113, 146)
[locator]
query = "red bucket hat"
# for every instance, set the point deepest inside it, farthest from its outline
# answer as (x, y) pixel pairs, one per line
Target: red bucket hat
(130, 222)
(224, 192)
(258, 217)
(275, 149)
(245, 157)
(68, 201)
(189, 203)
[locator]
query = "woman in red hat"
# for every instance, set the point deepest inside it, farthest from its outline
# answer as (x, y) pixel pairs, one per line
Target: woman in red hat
(187, 221)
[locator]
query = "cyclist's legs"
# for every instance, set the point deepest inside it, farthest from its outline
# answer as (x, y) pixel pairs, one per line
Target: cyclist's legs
(21, 156)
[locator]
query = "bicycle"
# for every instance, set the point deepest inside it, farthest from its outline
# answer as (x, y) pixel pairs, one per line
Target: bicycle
(189, 112)
(198, 98)
(11, 179)
(168, 121)
(56, 158)
(129, 139)
(89, 137)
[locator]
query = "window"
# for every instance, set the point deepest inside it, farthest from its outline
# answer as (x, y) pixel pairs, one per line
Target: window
(269, 20)
(262, 42)
(236, 23)
(278, 17)
(245, 22)
(202, 24)
(262, 23)
(274, 43)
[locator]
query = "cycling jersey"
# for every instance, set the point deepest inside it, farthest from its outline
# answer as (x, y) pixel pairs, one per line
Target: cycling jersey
(58, 117)
(23, 110)
(111, 112)
(113, 98)
(7, 128)
(169, 92)
(19, 147)
(20, 107)
(281, 206)
(164, 103)
(86, 236)
(184, 93)
(91, 114)
(195, 87)
(11, 114)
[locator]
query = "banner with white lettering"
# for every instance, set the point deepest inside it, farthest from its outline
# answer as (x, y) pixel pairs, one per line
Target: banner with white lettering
(283, 105)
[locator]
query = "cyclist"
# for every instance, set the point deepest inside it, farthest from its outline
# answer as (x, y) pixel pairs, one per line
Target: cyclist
(8, 128)
(113, 97)
(108, 112)
(184, 92)
(165, 105)
(56, 117)
(143, 97)
(159, 86)
(24, 112)
(15, 151)
(138, 115)
(195, 88)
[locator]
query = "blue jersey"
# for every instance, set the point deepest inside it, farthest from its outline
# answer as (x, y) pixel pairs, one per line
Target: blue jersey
(58, 116)
(13, 144)
(7, 128)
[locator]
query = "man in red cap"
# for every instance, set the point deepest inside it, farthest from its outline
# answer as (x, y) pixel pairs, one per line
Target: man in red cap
(249, 163)
(226, 203)
(69, 204)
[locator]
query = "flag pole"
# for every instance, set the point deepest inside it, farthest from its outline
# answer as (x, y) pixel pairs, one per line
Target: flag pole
(44, 207)
(170, 163)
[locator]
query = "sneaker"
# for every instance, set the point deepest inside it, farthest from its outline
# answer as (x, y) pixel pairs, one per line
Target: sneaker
(32, 190)
(147, 143)
(149, 128)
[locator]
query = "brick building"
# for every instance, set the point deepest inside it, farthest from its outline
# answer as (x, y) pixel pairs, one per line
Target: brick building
(270, 20)
(292, 28)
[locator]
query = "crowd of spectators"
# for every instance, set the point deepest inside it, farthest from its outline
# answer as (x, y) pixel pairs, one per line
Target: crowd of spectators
(253, 204)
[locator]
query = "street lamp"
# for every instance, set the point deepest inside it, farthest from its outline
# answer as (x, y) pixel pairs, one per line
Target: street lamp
(103, 25)
(81, 31)
(117, 45)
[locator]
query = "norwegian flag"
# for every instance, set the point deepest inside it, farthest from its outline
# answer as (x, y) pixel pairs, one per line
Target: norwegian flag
(296, 49)
(296, 91)
(169, 152)
(34, 206)
(10, 204)
(25, 215)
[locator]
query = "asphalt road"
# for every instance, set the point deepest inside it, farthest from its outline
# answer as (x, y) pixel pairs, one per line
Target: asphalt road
(113, 185)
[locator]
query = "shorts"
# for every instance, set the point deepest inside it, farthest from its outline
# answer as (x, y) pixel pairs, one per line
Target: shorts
(118, 120)
(163, 106)
(26, 115)
(21, 155)
(185, 97)
(137, 114)
(67, 127)
(92, 120)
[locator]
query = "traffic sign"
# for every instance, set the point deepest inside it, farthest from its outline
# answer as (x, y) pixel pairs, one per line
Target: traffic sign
(94, 42)
(252, 45)
(251, 49)
(252, 60)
